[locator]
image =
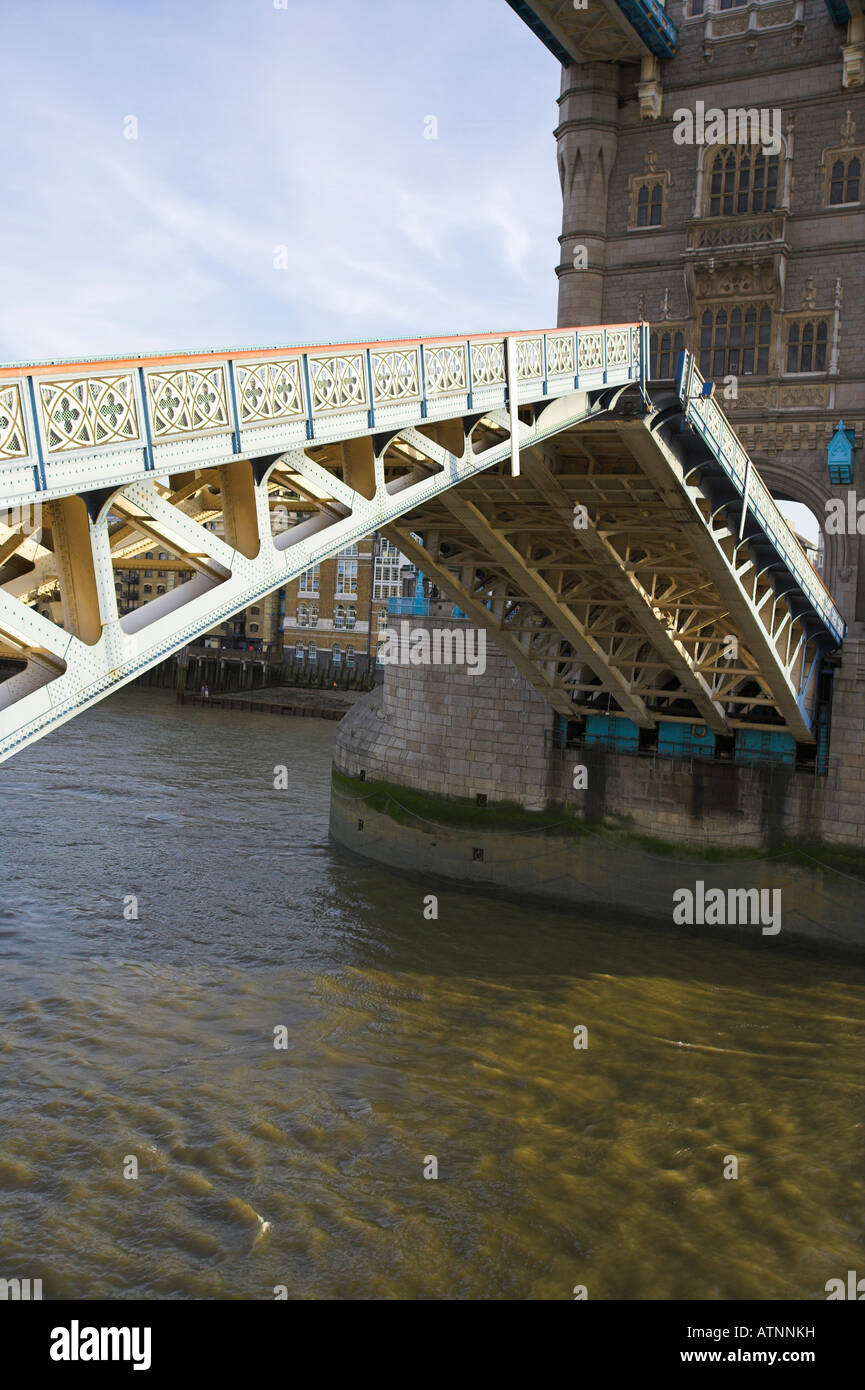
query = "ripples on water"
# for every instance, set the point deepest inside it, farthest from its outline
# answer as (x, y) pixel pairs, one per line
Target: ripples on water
(406, 1038)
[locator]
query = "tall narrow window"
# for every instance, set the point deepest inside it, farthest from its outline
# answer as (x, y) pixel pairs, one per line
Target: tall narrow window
(807, 343)
(649, 204)
(664, 348)
(844, 184)
(346, 577)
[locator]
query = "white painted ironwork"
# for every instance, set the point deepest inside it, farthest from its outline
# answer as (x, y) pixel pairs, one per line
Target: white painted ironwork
(98, 434)
(706, 417)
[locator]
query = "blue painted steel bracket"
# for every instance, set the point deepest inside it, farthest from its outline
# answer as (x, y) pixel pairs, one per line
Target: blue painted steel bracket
(540, 30)
(647, 18)
(839, 11)
(653, 25)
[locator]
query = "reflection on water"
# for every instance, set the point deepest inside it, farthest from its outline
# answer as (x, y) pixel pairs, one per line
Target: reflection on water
(303, 1166)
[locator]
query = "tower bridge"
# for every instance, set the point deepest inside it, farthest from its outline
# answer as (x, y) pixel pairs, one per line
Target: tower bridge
(610, 532)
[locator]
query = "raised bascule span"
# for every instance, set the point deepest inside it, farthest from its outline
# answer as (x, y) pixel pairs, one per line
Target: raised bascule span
(610, 533)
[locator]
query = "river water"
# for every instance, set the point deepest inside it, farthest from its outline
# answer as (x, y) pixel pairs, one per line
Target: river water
(302, 1166)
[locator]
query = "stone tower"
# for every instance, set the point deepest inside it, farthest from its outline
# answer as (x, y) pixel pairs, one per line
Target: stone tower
(742, 241)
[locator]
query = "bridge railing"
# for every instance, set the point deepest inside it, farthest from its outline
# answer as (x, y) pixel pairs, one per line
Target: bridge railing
(69, 426)
(710, 423)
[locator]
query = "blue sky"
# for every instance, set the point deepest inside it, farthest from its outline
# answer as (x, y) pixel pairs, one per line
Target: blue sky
(260, 128)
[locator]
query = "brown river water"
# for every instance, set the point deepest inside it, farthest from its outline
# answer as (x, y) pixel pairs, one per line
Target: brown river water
(405, 1039)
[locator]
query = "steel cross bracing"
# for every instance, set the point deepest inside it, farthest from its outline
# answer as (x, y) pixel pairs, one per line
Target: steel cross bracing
(629, 610)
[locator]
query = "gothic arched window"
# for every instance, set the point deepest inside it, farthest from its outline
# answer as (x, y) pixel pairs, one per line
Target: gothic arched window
(650, 203)
(735, 341)
(807, 341)
(742, 180)
(664, 348)
(844, 183)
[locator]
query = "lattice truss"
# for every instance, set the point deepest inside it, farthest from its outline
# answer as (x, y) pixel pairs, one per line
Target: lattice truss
(242, 529)
(632, 611)
(613, 586)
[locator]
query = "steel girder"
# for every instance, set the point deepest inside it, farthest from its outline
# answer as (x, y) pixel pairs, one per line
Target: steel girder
(633, 611)
(650, 608)
(97, 650)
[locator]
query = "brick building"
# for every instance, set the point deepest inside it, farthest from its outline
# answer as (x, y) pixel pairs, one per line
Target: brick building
(334, 610)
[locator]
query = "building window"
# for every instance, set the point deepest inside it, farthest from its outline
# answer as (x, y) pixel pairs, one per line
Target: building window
(742, 180)
(351, 617)
(302, 615)
(844, 183)
(696, 7)
(309, 581)
(336, 654)
(731, 4)
(807, 341)
(160, 588)
(313, 652)
(148, 574)
(346, 577)
(255, 611)
(650, 202)
(382, 618)
(735, 341)
(349, 656)
(299, 651)
(163, 554)
(253, 627)
(339, 616)
(647, 194)
(386, 582)
(148, 588)
(313, 615)
(664, 348)
(160, 574)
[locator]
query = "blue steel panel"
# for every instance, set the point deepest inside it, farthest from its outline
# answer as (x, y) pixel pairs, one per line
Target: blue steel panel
(677, 740)
(755, 746)
(610, 731)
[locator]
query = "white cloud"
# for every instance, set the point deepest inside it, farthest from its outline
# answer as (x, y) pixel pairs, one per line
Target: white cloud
(307, 132)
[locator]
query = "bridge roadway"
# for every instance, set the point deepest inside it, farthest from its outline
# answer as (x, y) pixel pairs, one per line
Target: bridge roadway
(610, 533)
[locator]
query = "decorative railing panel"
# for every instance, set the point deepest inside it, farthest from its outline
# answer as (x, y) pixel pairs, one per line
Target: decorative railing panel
(87, 412)
(121, 418)
(13, 439)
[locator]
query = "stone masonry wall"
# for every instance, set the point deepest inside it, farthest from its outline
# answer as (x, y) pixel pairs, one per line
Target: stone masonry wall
(444, 731)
